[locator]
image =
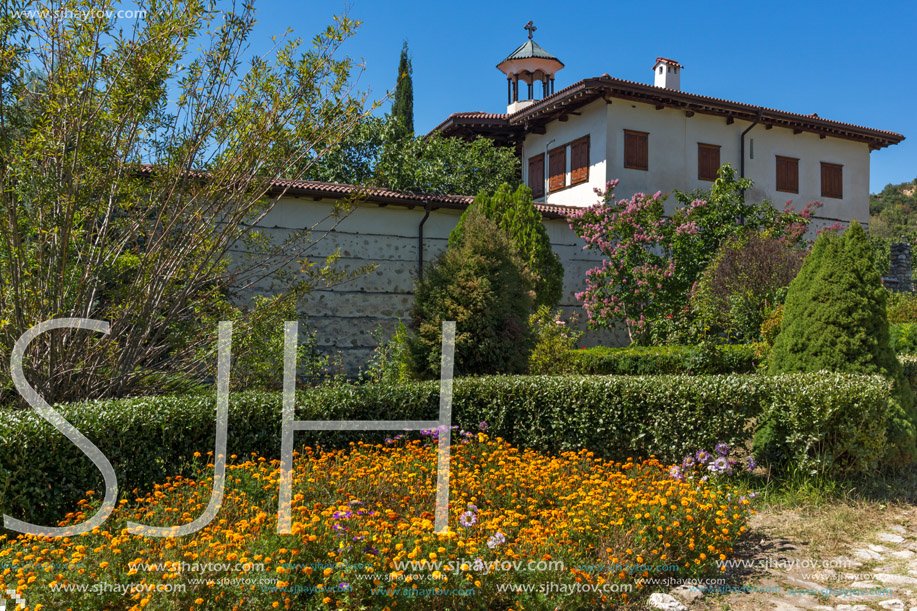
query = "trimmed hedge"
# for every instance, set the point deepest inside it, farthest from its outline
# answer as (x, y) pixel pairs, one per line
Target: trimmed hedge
(838, 420)
(652, 360)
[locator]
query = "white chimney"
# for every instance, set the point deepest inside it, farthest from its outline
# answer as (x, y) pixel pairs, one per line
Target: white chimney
(668, 73)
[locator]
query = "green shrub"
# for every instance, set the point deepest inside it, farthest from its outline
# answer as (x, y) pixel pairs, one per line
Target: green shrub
(903, 337)
(652, 360)
(553, 338)
(390, 361)
(836, 422)
(483, 286)
(834, 319)
(746, 278)
(902, 307)
(514, 212)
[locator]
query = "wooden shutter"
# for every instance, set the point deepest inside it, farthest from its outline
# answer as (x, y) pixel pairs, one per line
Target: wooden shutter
(579, 161)
(832, 180)
(557, 166)
(787, 174)
(708, 161)
(636, 150)
(536, 175)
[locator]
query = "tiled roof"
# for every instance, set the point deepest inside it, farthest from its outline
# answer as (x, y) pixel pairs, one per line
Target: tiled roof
(666, 60)
(330, 190)
(530, 49)
(587, 90)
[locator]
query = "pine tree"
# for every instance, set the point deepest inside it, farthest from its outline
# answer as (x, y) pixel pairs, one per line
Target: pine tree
(481, 284)
(403, 103)
(514, 212)
(835, 320)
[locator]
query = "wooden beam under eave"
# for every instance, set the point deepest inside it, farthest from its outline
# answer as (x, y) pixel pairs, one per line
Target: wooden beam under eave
(822, 136)
(768, 126)
(730, 120)
(797, 131)
(562, 118)
(660, 106)
(689, 113)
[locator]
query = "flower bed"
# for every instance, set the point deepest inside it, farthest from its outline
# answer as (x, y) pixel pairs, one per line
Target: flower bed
(567, 526)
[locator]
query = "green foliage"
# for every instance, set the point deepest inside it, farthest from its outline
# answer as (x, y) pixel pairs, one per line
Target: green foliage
(390, 362)
(102, 217)
(514, 212)
(481, 284)
(653, 259)
(379, 153)
(43, 475)
(902, 307)
(903, 337)
(839, 430)
(893, 212)
(554, 337)
(747, 277)
(637, 360)
(403, 102)
(834, 320)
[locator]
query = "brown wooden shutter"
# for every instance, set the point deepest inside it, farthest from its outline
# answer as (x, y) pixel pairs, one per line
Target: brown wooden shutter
(557, 166)
(536, 175)
(708, 161)
(579, 161)
(832, 180)
(636, 150)
(787, 174)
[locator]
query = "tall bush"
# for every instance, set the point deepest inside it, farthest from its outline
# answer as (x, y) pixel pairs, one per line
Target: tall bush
(748, 275)
(652, 260)
(834, 319)
(481, 283)
(514, 212)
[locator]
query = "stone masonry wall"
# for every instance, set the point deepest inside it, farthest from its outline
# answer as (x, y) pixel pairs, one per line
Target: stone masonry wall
(346, 315)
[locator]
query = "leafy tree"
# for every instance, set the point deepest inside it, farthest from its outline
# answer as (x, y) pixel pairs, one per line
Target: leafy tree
(378, 154)
(652, 260)
(893, 212)
(748, 276)
(481, 283)
(403, 104)
(145, 161)
(514, 212)
(834, 319)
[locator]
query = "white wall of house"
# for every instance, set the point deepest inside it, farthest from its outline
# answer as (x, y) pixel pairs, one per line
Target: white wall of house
(673, 139)
(347, 314)
(591, 122)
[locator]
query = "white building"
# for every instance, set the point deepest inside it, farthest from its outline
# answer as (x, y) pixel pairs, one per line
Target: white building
(659, 138)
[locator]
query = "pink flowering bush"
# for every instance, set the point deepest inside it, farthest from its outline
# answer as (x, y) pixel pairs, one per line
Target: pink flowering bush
(652, 260)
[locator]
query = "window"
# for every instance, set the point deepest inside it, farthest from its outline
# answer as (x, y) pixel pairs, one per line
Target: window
(708, 161)
(787, 174)
(636, 150)
(557, 166)
(579, 161)
(832, 180)
(536, 175)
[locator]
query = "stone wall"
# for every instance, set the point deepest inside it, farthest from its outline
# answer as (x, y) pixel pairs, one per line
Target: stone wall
(899, 273)
(346, 315)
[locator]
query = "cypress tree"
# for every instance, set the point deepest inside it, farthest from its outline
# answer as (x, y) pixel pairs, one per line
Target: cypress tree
(835, 320)
(403, 103)
(481, 284)
(514, 212)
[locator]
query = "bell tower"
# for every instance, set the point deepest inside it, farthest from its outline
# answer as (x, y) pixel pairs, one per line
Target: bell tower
(528, 64)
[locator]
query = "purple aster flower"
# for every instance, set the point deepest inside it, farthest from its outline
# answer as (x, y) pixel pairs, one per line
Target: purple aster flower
(497, 539)
(722, 449)
(720, 465)
(468, 519)
(702, 457)
(752, 495)
(471, 507)
(688, 462)
(483, 426)
(676, 473)
(752, 465)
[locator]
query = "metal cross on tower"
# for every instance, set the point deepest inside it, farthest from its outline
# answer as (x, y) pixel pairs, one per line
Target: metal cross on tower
(531, 28)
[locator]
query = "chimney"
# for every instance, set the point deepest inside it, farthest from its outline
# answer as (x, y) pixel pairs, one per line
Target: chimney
(668, 73)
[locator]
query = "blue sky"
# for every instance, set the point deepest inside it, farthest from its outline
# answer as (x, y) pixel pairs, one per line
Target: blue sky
(845, 60)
